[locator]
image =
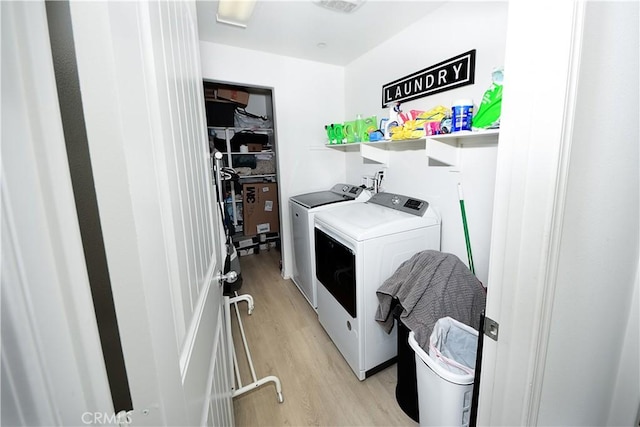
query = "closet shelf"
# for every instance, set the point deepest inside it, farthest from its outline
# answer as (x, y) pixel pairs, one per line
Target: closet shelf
(270, 175)
(240, 129)
(444, 149)
(248, 152)
(249, 148)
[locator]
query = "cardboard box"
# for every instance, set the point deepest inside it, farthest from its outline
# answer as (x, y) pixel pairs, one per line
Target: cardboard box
(238, 96)
(209, 93)
(246, 243)
(253, 147)
(245, 252)
(260, 206)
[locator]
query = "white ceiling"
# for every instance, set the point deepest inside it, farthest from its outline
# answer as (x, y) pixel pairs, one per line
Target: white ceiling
(296, 27)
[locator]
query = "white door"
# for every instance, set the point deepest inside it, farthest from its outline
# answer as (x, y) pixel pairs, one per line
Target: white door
(52, 366)
(147, 166)
(564, 249)
(141, 83)
(531, 158)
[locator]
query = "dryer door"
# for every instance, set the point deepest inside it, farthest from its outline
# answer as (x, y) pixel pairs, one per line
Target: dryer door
(336, 270)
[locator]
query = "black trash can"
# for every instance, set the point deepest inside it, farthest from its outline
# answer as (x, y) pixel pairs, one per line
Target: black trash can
(407, 386)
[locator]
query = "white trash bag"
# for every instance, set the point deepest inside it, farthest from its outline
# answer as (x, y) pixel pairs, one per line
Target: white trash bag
(453, 346)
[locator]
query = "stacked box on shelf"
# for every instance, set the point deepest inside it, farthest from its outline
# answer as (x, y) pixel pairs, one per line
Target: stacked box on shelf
(247, 246)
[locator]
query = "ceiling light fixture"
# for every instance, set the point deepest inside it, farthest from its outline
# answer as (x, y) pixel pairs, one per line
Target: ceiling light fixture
(235, 12)
(345, 6)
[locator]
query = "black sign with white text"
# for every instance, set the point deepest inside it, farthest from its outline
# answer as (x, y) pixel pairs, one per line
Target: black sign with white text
(450, 74)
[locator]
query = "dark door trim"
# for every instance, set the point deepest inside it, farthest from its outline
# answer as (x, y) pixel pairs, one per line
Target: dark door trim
(77, 144)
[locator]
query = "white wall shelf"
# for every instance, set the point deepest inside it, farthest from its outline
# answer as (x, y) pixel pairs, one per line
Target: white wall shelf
(444, 149)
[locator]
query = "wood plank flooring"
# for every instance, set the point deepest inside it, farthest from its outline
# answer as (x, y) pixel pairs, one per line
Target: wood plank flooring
(286, 340)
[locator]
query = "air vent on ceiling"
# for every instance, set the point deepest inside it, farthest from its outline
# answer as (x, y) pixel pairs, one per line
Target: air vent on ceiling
(345, 6)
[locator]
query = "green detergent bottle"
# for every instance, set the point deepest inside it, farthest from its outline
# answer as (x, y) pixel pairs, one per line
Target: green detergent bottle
(330, 134)
(338, 133)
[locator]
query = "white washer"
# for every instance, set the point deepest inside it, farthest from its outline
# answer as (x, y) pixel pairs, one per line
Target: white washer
(358, 246)
(302, 211)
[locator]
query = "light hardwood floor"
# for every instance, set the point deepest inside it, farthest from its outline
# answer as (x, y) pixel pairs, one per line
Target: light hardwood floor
(286, 340)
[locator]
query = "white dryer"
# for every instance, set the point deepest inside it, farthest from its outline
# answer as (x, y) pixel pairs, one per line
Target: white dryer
(358, 246)
(303, 208)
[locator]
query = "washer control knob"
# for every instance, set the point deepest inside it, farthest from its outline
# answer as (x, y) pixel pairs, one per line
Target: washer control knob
(395, 200)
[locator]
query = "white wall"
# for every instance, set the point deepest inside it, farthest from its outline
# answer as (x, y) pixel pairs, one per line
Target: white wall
(307, 95)
(452, 29)
(592, 357)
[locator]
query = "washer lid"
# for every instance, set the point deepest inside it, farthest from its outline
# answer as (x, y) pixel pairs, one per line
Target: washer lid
(339, 193)
(363, 221)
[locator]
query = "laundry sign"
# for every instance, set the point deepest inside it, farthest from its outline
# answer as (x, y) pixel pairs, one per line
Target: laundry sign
(450, 74)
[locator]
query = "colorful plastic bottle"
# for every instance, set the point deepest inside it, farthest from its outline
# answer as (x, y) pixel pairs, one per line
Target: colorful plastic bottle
(330, 134)
(461, 115)
(338, 133)
(359, 129)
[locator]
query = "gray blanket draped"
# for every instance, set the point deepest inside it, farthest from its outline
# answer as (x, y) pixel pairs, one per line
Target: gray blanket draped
(431, 285)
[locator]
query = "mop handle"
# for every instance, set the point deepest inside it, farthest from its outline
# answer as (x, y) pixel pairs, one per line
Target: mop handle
(466, 230)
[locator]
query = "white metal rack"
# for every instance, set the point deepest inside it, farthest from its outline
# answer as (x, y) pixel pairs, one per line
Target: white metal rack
(240, 389)
(228, 153)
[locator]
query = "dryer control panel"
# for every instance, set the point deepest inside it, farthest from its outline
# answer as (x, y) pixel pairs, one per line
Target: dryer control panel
(401, 203)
